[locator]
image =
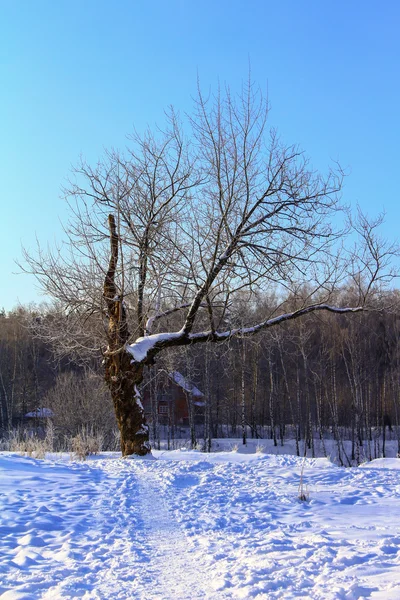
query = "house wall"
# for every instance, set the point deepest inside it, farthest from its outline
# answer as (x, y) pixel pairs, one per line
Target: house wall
(173, 396)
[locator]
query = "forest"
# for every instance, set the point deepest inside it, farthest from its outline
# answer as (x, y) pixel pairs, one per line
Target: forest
(320, 377)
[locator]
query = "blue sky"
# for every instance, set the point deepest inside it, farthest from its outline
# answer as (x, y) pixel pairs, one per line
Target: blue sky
(76, 76)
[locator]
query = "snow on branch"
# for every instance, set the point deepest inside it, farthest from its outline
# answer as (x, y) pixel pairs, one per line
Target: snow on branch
(249, 331)
(145, 348)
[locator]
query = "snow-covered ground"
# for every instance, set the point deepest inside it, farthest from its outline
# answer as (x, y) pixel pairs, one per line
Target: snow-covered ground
(192, 526)
(327, 447)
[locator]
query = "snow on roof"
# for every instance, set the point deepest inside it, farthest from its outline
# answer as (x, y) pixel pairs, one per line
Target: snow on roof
(185, 384)
(40, 413)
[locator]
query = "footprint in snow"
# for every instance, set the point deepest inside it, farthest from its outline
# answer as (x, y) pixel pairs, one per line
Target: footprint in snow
(184, 481)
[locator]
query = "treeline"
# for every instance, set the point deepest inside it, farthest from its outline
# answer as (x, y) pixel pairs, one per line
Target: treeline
(320, 377)
(33, 375)
(324, 376)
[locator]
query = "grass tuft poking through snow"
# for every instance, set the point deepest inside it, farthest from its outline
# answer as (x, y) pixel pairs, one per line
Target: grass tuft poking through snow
(304, 495)
(85, 444)
(23, 442)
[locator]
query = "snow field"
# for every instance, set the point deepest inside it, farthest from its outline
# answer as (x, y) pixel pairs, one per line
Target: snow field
(193, 526)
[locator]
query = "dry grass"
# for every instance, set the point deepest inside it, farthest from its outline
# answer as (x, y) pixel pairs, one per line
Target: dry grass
(260, 449)
(303, 493)
(85, 444)
(28, 444)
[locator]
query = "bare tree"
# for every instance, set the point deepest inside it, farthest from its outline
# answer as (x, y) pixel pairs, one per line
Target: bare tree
(192, 224)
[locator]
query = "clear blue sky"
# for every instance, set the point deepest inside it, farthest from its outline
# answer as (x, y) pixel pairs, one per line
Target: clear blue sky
(76, 75)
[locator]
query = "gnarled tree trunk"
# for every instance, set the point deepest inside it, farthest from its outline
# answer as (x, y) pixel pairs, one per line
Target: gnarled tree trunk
(122, 374)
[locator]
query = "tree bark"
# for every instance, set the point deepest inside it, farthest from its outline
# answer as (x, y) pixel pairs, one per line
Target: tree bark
(122, 374)
(127, 406)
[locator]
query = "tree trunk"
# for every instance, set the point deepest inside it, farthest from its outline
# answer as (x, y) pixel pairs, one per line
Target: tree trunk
(122, 374)
(243, 395)
(271, 400)
(123, 383)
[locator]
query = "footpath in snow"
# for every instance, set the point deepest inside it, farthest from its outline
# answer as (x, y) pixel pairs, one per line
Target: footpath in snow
(192, 526)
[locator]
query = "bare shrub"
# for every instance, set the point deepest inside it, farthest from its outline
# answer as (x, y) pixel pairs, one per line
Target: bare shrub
(303, 492)
(28, 444)
(86, 443)
(111, 439)
(50, 435)
(260, 449)
(81, 401)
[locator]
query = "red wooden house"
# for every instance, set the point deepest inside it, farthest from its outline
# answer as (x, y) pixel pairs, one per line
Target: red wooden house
(175, 395)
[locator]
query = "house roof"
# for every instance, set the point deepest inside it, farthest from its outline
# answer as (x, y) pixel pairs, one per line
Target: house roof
(40, 413)
(185, 384)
